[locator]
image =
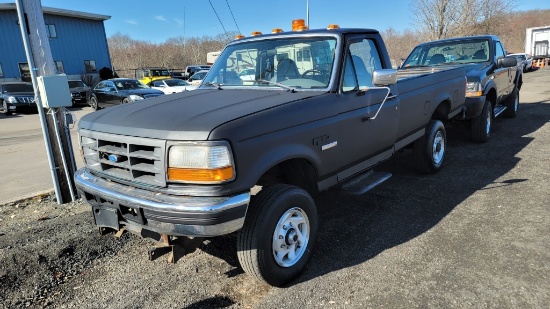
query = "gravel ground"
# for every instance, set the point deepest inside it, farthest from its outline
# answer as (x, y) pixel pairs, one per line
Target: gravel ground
(474, 235)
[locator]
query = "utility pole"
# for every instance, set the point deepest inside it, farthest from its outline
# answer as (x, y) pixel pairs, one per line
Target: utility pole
(53, 120)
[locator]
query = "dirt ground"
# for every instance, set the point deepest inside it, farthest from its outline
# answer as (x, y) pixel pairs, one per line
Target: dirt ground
(477, 234)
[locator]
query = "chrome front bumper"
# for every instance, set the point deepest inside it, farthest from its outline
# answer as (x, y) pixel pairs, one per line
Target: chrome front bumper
(115, 205)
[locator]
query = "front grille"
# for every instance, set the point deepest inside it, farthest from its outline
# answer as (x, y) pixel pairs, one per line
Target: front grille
(132, 159)
(25, 99)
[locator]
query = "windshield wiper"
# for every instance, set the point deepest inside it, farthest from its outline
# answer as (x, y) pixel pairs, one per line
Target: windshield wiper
(218, 86)
(415, 66)
(292, 89)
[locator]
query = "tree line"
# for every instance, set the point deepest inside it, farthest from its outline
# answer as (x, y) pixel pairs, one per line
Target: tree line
(433, 19)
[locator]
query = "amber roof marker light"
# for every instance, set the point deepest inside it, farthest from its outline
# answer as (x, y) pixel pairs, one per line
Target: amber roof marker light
(299, 25)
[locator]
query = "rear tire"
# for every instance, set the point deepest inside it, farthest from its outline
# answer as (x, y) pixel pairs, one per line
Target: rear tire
(429, 151)
(512, 104)
(278, 235)
(482, 125)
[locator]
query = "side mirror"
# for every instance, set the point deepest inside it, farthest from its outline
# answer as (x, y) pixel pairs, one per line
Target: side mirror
(384, 77)
(507, 62)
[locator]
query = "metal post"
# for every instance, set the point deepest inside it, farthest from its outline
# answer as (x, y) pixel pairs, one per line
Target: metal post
(30, 59)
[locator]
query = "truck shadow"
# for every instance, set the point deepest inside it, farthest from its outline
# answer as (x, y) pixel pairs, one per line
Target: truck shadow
(356, 229)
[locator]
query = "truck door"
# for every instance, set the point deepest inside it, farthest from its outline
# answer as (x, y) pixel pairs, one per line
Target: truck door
(361, 136)
(503, 76)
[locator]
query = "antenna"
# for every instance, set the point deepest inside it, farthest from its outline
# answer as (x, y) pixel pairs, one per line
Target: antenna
(307, 13)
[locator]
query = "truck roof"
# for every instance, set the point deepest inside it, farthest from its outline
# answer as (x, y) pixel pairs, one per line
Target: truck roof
(340, 31)
(462, 38)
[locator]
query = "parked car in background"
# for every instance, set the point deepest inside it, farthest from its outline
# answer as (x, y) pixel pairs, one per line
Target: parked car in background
(197, 78)
(119, 91)
(171, 85)
(192, 69)
(16, 97)
(248, 76)
(525, 60)
(79, 91)
(146, 75)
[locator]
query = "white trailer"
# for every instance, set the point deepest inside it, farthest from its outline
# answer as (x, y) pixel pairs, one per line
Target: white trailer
(537, 42)
(211, 57)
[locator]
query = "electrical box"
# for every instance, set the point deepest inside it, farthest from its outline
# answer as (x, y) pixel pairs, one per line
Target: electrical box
(54, 91)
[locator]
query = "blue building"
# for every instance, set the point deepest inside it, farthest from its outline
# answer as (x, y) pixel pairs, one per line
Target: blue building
(77, 41)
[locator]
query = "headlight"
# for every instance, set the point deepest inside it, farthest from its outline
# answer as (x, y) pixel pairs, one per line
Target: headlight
(12, 99)
(200, 164)
(473, 89)
(134, 97)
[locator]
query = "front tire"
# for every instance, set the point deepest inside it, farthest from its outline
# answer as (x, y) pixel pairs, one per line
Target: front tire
(429, 151)
(482, 125)
(278, 235)
(512, 105)
(93, 103)
(6, 110)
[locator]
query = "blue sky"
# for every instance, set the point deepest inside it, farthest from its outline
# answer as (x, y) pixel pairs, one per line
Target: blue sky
(156, 21)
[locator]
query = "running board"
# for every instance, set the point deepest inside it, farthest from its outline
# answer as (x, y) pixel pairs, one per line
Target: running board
(499, 109)
(365, 182)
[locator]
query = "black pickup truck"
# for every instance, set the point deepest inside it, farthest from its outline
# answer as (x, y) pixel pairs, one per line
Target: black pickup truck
(494, 79)
(324, 108)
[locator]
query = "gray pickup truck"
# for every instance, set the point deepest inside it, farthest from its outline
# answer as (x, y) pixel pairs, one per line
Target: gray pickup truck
(323, 109)
(494, 79)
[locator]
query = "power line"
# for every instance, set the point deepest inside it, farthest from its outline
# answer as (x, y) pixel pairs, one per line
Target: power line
(218, 18)
(226, 1)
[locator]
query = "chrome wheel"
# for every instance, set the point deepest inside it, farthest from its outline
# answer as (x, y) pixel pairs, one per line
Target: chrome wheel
(438, 147)
(290, 237)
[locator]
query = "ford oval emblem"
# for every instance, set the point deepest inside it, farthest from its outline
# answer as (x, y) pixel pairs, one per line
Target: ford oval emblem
(113, 158)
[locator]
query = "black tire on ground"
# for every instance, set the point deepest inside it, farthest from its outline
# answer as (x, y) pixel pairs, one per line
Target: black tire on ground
(125, 100)
(429, 150)
(6, 110)
(512, 105)
(93, 103)
(278, 235)
(482, 125)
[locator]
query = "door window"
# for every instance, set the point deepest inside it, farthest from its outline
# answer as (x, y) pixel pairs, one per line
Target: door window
(499, 53)
(361, 61)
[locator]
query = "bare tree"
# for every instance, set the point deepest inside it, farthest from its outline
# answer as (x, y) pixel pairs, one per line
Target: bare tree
(439, 19)
(399, 44)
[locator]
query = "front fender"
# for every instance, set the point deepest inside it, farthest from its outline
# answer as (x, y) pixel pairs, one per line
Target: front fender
(274, 156)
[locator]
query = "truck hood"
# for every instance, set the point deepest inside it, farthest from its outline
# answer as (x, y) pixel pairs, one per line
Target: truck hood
(476, 69)
(189, 116)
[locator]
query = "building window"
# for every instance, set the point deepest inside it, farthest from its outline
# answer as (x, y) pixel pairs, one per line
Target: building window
(1, 71)
(59, 67)
(25, 72)
(89, 66)
(51, 31)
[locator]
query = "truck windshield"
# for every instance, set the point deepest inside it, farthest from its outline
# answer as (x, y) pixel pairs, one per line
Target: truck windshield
(448, 52)
(297, 62)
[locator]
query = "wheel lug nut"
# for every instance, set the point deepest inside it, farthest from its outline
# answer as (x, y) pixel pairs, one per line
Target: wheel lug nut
(284, 227)
(281, 237)
(283, 246)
